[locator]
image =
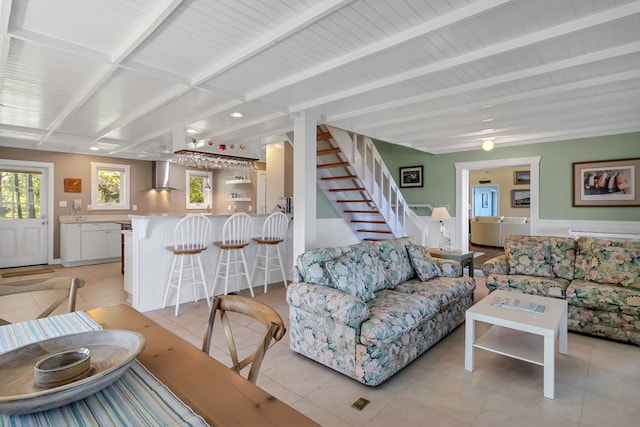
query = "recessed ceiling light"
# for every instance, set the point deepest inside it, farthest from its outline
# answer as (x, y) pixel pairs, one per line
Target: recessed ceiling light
(192, 131)
(236, 114)
(93, 148)
(487, 144)
(487, 120)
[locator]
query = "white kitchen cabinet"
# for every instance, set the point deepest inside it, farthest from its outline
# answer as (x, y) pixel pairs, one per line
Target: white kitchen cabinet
(90, 243)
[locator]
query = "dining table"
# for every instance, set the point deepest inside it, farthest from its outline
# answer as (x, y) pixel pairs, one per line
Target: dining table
(184, 382)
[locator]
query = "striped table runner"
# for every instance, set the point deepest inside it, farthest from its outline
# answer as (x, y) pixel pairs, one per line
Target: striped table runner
(136, 399)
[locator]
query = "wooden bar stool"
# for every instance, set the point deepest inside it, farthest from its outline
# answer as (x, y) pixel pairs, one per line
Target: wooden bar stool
(236, 233)
(191, 237)
(274, 232)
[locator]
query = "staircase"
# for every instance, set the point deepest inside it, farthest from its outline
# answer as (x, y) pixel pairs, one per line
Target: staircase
(354, 177)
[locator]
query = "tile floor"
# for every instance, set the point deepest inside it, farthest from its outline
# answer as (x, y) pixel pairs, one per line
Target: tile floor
(597, 383)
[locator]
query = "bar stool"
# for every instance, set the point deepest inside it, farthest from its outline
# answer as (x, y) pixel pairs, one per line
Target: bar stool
(191, 237)
(274, 231)
(236, 233)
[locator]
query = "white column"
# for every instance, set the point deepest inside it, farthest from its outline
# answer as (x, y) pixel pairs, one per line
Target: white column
(304, 182)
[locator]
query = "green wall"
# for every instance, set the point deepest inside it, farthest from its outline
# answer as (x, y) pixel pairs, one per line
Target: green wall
(555, 174)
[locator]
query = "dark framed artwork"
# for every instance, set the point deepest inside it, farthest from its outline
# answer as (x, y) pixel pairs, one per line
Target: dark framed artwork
(72, 185)
(606, 183)
(522, 178)
(520, 198)
(411, 176)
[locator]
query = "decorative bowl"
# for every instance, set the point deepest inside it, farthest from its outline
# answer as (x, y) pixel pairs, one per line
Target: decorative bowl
(112, 352)
(62, 368)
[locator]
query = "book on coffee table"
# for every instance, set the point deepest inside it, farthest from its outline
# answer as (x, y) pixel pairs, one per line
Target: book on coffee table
(519, 304)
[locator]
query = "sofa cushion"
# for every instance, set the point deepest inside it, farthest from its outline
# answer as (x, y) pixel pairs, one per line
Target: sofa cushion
(348, 276)
(598, 296)
(562, 252)
(528, 255)
(392, 313)
(444, 290)
(374, 273)
(422, 262)
(311, 264)
(545, 286)
(395, 259)
(614, 265)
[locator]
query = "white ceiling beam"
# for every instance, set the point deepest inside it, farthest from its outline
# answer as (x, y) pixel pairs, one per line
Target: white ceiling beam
(498, 48)
(581, 84)
(418, 31)
(308, 17)
(5, 40)
(563, 64)
(162, 12)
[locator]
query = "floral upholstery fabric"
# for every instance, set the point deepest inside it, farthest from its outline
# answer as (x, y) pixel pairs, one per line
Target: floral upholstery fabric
(562, 253)
(606, 324)
(615, 265)
(422, 262)
(444, 290)
(348, 276)
(373, 271)
(323, 301)
(371, 341)
(311, 265)
(448, 267)
(528, 255)
(395, 259)
(497, 265)
(597, 296)
(392, 314)
(544, 286)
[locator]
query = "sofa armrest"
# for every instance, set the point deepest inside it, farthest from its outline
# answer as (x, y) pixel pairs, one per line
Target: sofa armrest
(328, 302)
(449, 267)
(497, 265)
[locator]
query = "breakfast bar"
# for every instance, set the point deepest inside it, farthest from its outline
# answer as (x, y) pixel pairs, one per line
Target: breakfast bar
(148, 262)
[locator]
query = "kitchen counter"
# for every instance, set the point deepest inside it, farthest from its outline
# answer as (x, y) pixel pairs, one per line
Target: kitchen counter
(73, 219)
(148, 262)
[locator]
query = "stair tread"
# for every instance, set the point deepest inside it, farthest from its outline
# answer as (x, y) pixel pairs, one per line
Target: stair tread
(328, 151)
(333, 165)
(373, 231)
(347, 189)
(354, 201)
(376, 212)
(367, 221)
(323, 135)
(328, 178)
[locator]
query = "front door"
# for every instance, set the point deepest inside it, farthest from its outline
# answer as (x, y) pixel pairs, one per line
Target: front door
(23, 214)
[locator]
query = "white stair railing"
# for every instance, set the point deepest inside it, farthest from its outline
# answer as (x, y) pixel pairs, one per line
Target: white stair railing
(369, 166)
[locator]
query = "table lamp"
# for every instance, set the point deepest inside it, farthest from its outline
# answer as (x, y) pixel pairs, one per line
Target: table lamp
(442, 214)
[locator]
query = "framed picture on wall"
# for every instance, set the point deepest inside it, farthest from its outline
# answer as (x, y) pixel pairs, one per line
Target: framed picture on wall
(411, 176)
(607, 183)
(520, 198)
(521, 177)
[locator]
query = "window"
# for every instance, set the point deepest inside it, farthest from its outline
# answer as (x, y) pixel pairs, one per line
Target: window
(198, 194)
(109, 186)
(19, 194)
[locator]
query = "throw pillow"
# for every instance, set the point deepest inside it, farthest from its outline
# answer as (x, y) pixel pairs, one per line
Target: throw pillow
(422, 262)
(395, 259)
(529, 256)
(373, 271)
(347, 276)
(615, 265)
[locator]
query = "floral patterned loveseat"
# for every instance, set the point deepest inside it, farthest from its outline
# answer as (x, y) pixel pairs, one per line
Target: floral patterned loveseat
(599, 278)
(368, 310)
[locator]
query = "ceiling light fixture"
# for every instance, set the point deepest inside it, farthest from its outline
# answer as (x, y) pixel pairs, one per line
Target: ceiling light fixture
(93, 148)
(487, 145)
(487, 120)
(236, 115)
(191, 131)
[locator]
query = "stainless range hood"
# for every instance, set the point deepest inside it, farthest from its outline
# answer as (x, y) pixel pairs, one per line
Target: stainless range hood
(160, 175)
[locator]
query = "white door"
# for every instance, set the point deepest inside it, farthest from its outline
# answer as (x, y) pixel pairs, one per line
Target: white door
(261, 192)
(23, 214)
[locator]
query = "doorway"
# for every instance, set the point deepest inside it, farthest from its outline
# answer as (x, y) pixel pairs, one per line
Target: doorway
(463, 190)
(26, 229)
(484, 200)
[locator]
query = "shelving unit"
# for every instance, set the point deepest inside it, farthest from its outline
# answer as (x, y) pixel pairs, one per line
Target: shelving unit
(238, 180)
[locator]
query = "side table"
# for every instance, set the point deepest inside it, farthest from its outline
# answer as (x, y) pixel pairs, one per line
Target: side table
(465, 258)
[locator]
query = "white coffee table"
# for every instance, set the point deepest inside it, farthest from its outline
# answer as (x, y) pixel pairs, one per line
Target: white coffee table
(519, 334)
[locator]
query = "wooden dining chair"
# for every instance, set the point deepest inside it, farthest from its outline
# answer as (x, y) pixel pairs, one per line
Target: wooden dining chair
(274, 331)
(44, 284)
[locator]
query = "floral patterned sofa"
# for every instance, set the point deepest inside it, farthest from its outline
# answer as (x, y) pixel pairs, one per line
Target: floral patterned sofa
(368, 310)
(599, 278)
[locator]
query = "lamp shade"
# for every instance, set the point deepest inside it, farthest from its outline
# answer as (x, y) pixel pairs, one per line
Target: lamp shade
(440, 214)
